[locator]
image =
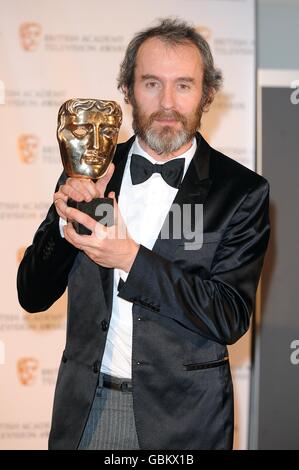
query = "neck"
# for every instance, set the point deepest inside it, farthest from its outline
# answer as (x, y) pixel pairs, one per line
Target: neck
(161, 157)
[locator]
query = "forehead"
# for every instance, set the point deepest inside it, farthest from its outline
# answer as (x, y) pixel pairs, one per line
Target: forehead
(91, 117)
(156, 56)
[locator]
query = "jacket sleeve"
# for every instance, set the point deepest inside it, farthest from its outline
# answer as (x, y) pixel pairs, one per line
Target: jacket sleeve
(43, 272)
(218, 308)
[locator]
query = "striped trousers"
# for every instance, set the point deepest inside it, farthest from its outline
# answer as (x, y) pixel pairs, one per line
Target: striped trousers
(111, 423)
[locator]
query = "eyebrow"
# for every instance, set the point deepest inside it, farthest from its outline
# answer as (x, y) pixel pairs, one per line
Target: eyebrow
(179, 79)
(185, 79)
(149, 77)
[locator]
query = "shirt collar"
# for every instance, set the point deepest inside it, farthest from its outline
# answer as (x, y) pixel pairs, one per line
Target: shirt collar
(188, 155)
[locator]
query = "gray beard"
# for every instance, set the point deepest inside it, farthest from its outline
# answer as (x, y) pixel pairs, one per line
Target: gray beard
(166, 140)
(167, 143)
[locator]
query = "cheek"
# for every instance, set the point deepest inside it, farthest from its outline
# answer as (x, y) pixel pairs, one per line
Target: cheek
(187, 104)
(78, 146)
(108, 143)
(79, 142)
(146, 102)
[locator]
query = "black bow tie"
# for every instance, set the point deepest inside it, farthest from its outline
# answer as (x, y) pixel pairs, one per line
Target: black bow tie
(142, 169)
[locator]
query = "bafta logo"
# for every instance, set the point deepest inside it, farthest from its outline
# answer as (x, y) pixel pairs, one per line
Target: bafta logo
(27, 368)
(28, 145)
(30, 35)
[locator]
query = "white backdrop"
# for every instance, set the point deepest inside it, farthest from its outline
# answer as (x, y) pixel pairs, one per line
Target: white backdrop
(53, 51)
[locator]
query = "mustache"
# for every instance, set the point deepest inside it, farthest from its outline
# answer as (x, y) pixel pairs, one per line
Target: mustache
(175, 115)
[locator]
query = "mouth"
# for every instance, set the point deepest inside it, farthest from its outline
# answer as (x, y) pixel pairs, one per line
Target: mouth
(167, 121)
(170, 119)
(93, 158)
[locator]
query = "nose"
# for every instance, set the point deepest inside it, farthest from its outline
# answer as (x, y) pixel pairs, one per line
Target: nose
(167, 100)
(96, 138)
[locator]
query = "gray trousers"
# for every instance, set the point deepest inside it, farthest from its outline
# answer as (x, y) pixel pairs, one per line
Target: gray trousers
(111, 423)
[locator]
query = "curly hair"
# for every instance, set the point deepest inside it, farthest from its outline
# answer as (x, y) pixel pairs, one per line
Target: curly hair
(173, 32)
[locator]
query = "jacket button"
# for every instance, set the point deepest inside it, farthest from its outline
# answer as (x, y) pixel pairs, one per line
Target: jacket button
(104, 325)
(96, 367)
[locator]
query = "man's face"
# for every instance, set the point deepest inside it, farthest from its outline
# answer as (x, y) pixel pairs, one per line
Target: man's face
(87, 142)
(167, 95)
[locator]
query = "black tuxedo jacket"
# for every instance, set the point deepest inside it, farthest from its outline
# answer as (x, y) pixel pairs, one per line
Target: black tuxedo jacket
(187, 306)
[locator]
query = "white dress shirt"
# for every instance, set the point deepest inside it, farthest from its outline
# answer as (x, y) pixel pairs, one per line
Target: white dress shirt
(144, 208)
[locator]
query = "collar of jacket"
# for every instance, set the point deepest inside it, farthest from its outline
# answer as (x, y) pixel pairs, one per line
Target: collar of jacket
(198, 169)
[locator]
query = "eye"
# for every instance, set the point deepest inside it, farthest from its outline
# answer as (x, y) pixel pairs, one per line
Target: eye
(151, 85)
(183, 86)
(109, 131)
(80, 132)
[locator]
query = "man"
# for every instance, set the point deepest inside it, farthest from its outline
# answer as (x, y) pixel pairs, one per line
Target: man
(146, 363)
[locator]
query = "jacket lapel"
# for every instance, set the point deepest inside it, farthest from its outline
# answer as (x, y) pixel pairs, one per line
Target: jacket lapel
(120, 160)
(194, 189)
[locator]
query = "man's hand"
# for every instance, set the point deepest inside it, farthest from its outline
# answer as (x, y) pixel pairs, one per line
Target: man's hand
(80, 189)
(111, 247)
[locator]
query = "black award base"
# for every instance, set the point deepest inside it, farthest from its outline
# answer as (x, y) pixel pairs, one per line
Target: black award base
(100, 209)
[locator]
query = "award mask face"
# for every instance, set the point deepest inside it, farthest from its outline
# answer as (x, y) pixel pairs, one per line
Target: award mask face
(87, 134)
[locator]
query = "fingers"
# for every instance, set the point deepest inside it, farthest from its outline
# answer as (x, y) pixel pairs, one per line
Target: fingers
(70, 235)
(79, 189)
(74, 188)
(73, 214)
(87, 243)
(118, 220)
(82, 242)
(60, 205)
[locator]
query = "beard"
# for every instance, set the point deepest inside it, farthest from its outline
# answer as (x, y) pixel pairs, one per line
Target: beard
(166, 139)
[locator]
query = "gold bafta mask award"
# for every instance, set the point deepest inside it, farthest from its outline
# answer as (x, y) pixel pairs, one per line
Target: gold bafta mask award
(87, 133)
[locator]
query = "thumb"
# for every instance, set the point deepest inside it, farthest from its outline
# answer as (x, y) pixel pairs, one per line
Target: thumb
(117, 215)
(102, 182)
(119, 223)
(111, 195)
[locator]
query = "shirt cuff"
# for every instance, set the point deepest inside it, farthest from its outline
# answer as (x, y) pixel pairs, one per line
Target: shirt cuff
(62, 223)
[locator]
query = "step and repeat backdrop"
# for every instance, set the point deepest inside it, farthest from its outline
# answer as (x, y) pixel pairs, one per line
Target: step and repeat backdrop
(53, 51)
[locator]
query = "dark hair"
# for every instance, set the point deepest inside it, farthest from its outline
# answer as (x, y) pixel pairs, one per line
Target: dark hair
(173, 32)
